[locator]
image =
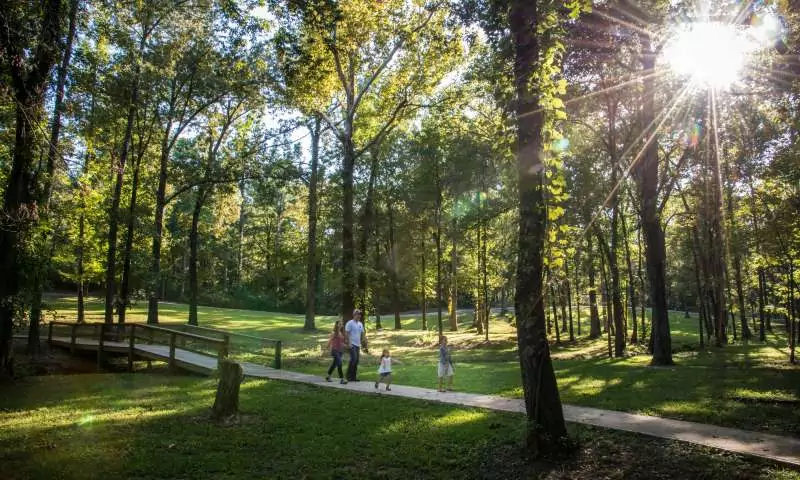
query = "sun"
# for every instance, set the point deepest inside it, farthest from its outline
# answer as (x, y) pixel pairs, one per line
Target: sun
(711, 54)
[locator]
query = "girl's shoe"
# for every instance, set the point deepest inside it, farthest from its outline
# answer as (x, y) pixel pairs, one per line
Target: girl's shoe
(388, 389)
(343, 381)
(328, 378)
(376, 385)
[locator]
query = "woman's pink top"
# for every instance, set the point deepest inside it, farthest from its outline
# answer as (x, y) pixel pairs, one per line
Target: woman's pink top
(337, 342)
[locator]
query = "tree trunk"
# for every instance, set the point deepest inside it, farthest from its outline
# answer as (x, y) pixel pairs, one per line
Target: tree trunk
(424, 284)
(554, 307)
(366, 227)
(569, 306)
(700, 287)
(226, 402)
(485, 286)
(126, 254)
(42, 263)
(80, 253)
(377, 285)
(28, 92)
(762, 300)
(608, 309)
(717, 232)
(193, 247)
(578, 295)
(161, 193)
(438, 251)
(393, 259)
(790, 313)
(453, 304)
(631, 280)
(651, 223)
(311, 259)
(348, 250)
(546, 427)
(594, 316)
(113, 214)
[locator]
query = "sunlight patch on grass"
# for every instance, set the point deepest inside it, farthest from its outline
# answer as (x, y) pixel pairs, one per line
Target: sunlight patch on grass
(459, 418)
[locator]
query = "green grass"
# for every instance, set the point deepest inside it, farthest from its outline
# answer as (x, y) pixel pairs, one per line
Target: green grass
(750, 387)
(153, 426)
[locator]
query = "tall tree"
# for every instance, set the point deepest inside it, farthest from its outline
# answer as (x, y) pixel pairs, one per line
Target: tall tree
(542, 401)
(29, 48)
(360, 57)
(315, 129)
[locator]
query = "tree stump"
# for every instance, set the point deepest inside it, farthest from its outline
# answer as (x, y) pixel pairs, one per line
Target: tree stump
(226, 405)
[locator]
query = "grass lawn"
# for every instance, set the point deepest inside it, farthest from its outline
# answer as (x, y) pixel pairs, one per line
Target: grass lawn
(749, 387)
(149, 426)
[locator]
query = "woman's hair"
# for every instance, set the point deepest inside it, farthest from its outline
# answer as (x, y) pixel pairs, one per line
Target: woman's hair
(337, 326)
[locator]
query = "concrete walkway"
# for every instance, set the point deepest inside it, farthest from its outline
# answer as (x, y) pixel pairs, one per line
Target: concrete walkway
(773, 447)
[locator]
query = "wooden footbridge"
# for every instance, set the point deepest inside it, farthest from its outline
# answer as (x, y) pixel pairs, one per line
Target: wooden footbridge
(181, 346)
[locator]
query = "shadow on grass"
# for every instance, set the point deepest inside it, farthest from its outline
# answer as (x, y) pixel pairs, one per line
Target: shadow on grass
(115, 426)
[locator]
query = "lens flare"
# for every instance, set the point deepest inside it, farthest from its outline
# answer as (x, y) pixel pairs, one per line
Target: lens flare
(710, 53)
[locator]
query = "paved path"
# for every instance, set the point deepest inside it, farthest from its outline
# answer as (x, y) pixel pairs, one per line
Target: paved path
(773, 447)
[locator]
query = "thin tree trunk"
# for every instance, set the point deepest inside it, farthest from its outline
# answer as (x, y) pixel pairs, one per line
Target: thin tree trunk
(348, 250)
(80, 253)
(717, 234)
(485, 288)
(113, 214)
(608, 309)
(631, 280)
(393, 259)
(377, 285)
(594, 320)
(193, 248)
(438, 251)
(762, 300)
(554, 307)
(790, 312)
(578, 296)
(424, 284)
(569, 306)
(126, 254)
(454, 282)
(366, 227)
(47, 189)
(311, 259)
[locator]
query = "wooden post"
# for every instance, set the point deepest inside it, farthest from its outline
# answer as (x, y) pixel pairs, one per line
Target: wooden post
(131, 344)
(278, 354)
(172, 352)
(100, 346)
(50, 334)
(222, 353)
(226, 403)
(73, 332)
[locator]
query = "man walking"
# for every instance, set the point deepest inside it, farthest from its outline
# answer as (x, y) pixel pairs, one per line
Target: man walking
(354, 331)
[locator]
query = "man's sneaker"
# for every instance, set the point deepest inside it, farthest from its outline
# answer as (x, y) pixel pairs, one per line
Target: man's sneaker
(328, 378)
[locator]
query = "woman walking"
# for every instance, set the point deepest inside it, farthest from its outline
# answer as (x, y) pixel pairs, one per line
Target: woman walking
(336, 346)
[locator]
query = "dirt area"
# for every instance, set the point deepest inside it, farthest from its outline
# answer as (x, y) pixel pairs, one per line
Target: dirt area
(50, 361)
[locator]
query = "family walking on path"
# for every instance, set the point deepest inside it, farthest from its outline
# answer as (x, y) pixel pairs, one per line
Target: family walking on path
(353, 336)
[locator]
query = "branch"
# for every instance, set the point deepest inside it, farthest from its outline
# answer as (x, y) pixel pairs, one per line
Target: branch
(674, 179)
(384, 130)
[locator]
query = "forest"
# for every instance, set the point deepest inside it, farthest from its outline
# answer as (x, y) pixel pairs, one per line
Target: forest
(615, 160)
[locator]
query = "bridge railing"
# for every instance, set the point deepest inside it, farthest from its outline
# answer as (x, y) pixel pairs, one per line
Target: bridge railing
(202, 344)
(107, 334)
(241, 347)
